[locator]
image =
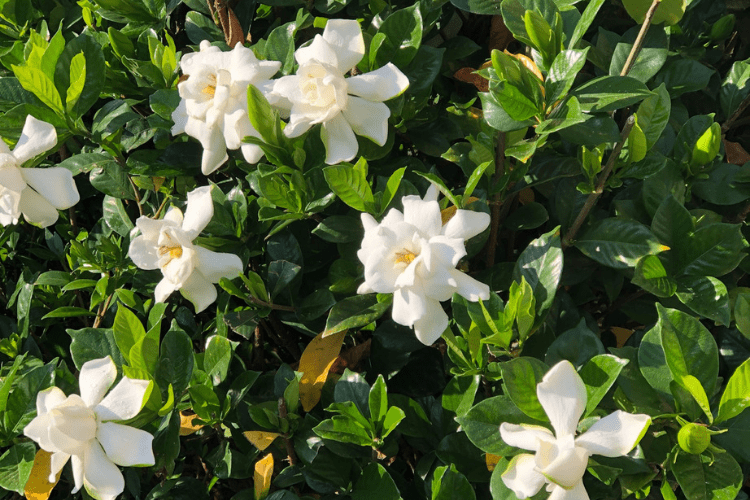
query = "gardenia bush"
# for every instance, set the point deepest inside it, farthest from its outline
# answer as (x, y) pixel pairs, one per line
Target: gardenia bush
(456, 249)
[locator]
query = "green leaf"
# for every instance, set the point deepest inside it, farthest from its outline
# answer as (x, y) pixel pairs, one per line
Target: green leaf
(618, 243)
(344, 430)
(357, 311)
(706, 296)
(482, 7)
(115, 216)
(587, 18)
(15, 466)
(541, 265)
(459, 393)
(449, 484)
(93, 343)
(713, 250)
(608, 93)
(496, 117)
(393, 417)
(77, 81)
(599, 374)
(566, 115)
(109, 178)
(735, 88)
(175, 361)
(339, 229)
(35, 81)
(541, 35)
(516, 104)
(520, 378)
(683, 75)
(653, 115)
(378, 403)
(375, 484)
(563, 71)
(669, 12)
(577, 345)
(68, 312)
(650, 59)
(707, 146)
(403, 36)
(128, 331)
(94, 65)
(351, 186)
(205, 402)
(440, 184)
(514, 12)
(217, 358)
(481, 423)
(262, 116)
(708, 477)
(391, 188)
(736, 396)
(651, 275)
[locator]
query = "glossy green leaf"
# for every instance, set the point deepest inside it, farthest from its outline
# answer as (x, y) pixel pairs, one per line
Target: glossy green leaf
(618, 243)
(736, 396)
(608, 93)
(520, 378)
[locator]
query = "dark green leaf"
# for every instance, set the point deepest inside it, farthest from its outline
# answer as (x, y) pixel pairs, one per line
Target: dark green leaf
(15, 466)
(683, 75)
(618, 243)
(608, 93)
(704, 477)
(520, 378)
(357, 311)
(598, 374)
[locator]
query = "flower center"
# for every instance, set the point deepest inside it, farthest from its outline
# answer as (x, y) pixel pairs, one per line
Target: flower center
(210, 89)
(169, 249)
(322, 86)
(405, 257)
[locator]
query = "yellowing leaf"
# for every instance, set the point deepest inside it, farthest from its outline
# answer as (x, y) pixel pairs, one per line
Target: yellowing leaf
(491, 460)
(186, 424)
(314, 364)
(260, 439)
(38, 486)
(529, 63)
(262, 476)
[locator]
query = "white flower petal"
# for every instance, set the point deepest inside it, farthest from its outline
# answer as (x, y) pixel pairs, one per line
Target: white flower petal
(408, 306)
(57, 462)
(577, 492)
(466, 224)
(431, 326)
(525, 437)
(143, 253)
(55, 184)
(424, 215)
(318, 50)
(124, 401)
(380, 85)
(163, 290)
(568, 466)
(212, 159)
(615, 434)
(11, 178)
(36, 209)
(198, 290)
(345, 37)
(563, 397)
(71, 425)
(96, 377)
(468, 287)
(102, 478)
(522, 478)
(180, 117)
(125, 445)
(173, 217)
(37, 137)
(200, 210)
(48, 399)
(368, 119)
(38, 431)
(339, 140)
(76, 462)
(432, 193)
(214, 265)
(252, 153)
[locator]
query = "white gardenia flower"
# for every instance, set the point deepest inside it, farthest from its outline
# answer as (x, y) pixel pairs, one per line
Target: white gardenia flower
(37, 193)
(167, 244)
(84, 429)
(414, 256)
(319, 92)
(213, 108)
(560, 459)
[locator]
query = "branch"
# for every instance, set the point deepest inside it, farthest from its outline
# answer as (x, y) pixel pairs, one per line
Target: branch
(593, 197)
(638, 44)
(740, 109)
(497, 200)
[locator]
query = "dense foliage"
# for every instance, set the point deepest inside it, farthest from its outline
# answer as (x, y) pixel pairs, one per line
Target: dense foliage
(563, 183)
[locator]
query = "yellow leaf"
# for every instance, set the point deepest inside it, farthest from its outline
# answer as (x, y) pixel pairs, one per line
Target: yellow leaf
(262, 476)
(491, 460)
(314, 364)
(260, 439)
(38, 486)
(186, 424)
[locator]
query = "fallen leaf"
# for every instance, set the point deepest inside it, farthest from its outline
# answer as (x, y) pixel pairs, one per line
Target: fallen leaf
(314, 364)
(38, 486)
(261, 439)
(262, 476)
(736, 154)
(491, 460)
(186, 424)
(468, 75)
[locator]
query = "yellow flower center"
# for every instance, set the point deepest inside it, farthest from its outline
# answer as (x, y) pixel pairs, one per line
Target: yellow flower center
(173, 252)
(405, 257)
(210, 89)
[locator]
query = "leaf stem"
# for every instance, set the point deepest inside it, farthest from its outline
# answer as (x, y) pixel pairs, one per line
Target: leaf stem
(740, 109)
(102, 310)
(291, 455)
(638, 44)
(497, 200)
(137, 196)
(594, 196)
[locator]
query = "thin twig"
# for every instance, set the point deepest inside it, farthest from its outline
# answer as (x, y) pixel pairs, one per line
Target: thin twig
(161, 207)
(269, 305)
(291, 455)
(593, 197)
(740, 109)
(137, 196)
(496, 201)
(102, 310)
(638, 44)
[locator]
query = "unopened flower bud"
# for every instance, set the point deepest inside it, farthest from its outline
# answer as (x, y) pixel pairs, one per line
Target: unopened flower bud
(694, 438)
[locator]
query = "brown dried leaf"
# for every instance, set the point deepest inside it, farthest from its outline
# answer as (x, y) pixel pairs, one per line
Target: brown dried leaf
(468, 75)
(500, 35)
(736, 154)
